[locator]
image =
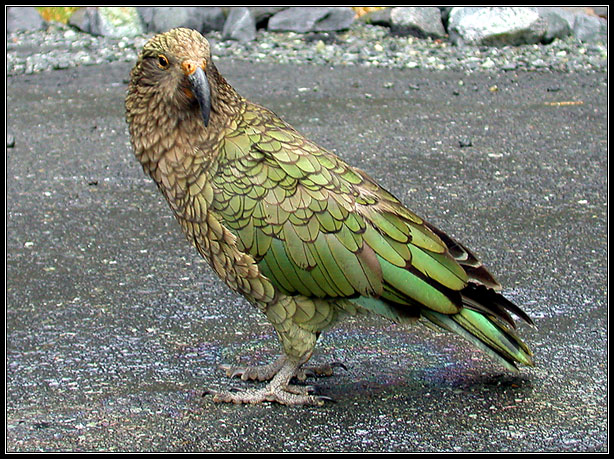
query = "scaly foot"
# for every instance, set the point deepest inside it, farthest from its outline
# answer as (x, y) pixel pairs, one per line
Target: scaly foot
(278, 390)
(290, 395)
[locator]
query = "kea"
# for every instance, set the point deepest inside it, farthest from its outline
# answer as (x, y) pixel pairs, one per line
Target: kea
(301, 234)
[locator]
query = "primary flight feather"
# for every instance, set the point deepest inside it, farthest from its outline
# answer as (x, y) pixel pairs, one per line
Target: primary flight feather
(293, 228)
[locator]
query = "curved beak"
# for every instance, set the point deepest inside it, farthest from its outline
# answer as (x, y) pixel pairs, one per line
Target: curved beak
(200, 87)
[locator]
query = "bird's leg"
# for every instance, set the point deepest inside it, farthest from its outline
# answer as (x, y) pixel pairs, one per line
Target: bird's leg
(278, 390)
(267, 372)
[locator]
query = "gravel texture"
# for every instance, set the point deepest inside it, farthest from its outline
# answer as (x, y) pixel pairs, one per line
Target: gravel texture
(61, 47)
(115, 326)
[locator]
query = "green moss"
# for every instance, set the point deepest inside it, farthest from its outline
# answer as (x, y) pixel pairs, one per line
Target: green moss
(57, 13)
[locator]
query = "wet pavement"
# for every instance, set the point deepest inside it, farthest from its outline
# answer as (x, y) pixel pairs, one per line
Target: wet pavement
(114, 326)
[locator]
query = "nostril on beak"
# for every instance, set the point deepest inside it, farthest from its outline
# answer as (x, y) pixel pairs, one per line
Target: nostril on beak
(188, 67)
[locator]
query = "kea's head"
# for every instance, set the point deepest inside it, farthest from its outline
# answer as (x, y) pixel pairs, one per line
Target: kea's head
(170, 77)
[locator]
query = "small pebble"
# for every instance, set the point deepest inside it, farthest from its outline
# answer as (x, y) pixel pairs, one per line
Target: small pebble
(61, 47)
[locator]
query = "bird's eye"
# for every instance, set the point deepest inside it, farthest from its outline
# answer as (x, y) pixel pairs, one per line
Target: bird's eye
(162, 61)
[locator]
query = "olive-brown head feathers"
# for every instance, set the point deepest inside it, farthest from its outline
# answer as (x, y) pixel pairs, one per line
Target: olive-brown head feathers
(171, 72)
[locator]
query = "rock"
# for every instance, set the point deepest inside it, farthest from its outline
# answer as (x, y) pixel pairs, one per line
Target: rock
(421, 22)
(161, 19)
(114, 22)
(23, 18)
(465, 142)
(83, 19)
(337, 19)
(210, 18)
(559, 22)
(262, 14)
(240, 25)
(120, 22)
(496, 26)
(303, 19)
(589, 28)
(580, 9)
(445, 15)
(295, 19)
(378, 17)
(601, 11)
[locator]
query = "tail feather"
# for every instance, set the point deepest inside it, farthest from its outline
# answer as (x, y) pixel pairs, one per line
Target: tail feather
(470, 263)
(486, 332)
(490, 302)
(483, 320)
(447, 284)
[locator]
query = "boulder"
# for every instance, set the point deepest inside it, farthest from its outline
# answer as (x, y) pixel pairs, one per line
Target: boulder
(108, 21)
(160, 19)
(378, 17)
(421, 22)
(313, 19)
(23, 18)
(496, 26)
(589, 28)
(262, 14)
(240, 25)
(500, 26)
(559, 22)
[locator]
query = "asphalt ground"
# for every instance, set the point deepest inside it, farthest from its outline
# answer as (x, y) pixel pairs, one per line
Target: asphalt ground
(114, 326)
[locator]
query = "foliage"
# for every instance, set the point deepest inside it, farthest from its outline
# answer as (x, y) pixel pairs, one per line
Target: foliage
(57, 13)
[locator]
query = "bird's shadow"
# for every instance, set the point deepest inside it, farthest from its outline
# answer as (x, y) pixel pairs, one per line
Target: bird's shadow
(434, 383)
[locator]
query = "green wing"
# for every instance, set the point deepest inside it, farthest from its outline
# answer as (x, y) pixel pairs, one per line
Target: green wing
(320, 228)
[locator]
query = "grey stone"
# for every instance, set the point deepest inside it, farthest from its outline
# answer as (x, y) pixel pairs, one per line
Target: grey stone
(601, 11)
(211, 18)
(420, 22)
(114, 22)
(309, 19)
(445, 15)
(36, 51)
(559, 22)
(161, 19)
(378, 17)
(496, 26)
(262, 14)
(23, 18)
(146, 13)
(589, 28)
(336, 19)
(240, 25)
(83, 19)
(295, 19)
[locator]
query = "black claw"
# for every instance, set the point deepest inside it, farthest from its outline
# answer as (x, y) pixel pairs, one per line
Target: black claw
(311, 389)
(237, 373)
(338, 365)
(307, 373)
